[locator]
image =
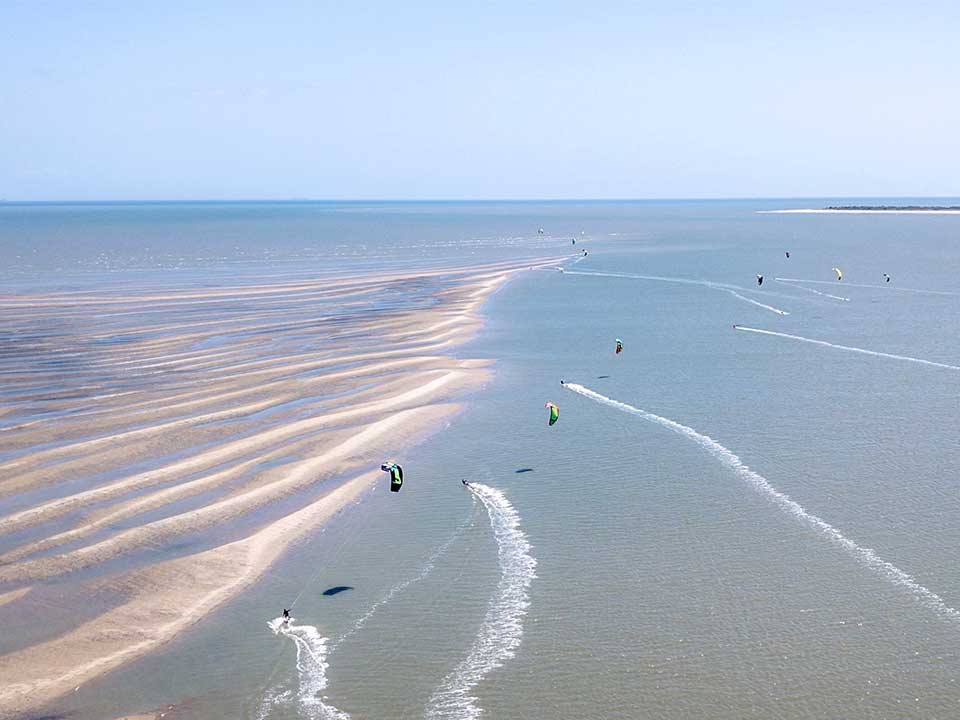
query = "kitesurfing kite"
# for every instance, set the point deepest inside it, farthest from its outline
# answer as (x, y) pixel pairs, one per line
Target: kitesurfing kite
(554, 412)
(619, 346)
(396, 475)
(839, 273)
(759, 279)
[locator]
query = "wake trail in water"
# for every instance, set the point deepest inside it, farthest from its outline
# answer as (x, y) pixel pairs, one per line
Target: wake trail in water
(404, 584)
(868, 285)
(815, 292)
(311, 674)
(865, 556)
(312, 651)
(502, 628)
(732, 289)
(778, 311)
(848, 348)
(657, 278)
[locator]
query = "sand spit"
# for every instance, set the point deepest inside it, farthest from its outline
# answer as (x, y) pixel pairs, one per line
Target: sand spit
(134, 423)
(826, 211)
(165, 599)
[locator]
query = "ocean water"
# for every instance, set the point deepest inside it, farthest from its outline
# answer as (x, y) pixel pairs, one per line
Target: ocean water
(722, 524)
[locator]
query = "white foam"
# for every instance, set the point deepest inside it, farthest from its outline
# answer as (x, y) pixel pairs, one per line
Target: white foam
(848, 348)
(658, 278)
(311, 674)
(865, 556)
(758, 304)
(502, 627)
(816, 292)
(403, 585)
(732, 289)
(867, 285)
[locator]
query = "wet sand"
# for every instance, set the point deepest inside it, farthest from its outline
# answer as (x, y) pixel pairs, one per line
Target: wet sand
(161, 451)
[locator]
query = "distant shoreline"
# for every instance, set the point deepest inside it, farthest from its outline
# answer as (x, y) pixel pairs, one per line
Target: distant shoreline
(872, 210)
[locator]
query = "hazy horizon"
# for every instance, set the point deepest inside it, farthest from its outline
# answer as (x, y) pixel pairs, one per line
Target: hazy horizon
(431, 102)
(453, 200)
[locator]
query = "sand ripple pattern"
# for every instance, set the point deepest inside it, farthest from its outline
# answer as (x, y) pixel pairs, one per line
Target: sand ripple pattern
(158, 431)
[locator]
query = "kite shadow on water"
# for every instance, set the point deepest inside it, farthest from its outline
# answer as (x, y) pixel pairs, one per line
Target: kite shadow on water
(337, 589)
(602, 377)
(522, 470)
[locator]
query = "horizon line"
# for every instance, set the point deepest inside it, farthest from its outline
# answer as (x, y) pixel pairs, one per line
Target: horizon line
(296, 200)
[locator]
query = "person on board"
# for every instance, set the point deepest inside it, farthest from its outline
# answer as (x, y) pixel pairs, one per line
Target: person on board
(759, 279)
(886, 277)
(465, 483)
(286, 615)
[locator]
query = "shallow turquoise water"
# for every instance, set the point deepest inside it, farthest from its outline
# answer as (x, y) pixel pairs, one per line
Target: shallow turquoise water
(666, 586)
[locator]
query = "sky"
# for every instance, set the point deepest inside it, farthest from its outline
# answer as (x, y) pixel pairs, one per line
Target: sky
(430, 100)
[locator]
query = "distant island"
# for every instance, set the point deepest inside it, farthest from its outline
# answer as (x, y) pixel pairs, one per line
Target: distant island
(877, 209)
(912, 208)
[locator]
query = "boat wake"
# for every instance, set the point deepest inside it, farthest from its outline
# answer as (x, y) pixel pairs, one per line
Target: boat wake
(502, 628)
(311, 675)
(848, 348)
(864, 556)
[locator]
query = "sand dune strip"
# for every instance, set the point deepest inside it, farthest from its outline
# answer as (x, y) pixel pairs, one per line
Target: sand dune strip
(201, 461)
(162, 411)
(323, 466)
(249, 398)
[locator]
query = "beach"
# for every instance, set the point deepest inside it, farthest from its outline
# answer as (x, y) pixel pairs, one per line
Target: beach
(748, 511)
(226, 422)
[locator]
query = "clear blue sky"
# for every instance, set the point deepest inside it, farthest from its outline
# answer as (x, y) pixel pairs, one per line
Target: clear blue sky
(127, 100)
